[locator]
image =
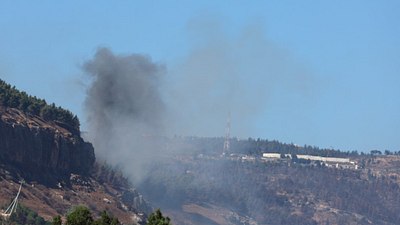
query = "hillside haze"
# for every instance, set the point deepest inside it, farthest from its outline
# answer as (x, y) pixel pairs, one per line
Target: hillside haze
(200, 112)
(201, 187)
(255, 182)
(129, 114)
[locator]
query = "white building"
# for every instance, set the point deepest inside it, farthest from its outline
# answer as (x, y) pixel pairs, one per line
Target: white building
(271, 155)
(307, 157)
(324, 159)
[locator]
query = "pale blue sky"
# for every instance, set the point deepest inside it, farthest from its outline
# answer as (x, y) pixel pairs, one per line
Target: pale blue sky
(350, 48)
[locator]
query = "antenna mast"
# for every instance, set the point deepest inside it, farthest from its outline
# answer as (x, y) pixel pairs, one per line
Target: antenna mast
(227, 143)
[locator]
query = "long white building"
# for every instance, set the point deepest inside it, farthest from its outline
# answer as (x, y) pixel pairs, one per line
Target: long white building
(324, 159)
(306, 157)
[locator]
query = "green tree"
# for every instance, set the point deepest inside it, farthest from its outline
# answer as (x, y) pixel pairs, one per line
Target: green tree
(57, 220)
(157, 218)
(80, 215)
(106, 219)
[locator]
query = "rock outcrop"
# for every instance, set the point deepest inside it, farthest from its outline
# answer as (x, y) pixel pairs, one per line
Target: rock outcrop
(41, 146)
(59, 170)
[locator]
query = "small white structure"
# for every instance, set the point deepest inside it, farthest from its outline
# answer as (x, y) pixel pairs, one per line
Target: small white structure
(275, 155)
(248, 158)
(271, 155)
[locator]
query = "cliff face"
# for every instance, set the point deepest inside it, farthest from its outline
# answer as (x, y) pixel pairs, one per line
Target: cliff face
(59, 170)
(41, 146)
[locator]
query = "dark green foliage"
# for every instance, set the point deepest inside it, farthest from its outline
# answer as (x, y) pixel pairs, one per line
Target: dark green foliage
(80, 215)
(157, 218)
(376, 152)
(106, 219)
(12, 97)
(57, 220)
(25, 216)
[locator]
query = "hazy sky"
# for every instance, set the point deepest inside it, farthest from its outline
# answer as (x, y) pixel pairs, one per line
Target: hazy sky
(336, 74)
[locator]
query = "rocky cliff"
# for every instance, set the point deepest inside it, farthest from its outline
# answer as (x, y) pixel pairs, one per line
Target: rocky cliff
(40, 146)
(59, 170)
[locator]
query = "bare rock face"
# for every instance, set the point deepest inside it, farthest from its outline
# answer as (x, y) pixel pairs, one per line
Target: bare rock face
(59, 170)
(41, 146)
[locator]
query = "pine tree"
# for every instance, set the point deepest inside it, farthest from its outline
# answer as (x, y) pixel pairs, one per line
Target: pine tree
(157, 218)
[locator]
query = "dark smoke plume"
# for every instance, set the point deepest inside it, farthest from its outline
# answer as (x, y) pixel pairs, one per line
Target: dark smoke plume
(129, 103)
(133, 111)
(124, 107)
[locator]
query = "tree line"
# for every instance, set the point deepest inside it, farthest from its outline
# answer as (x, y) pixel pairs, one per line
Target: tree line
(79, 215)
(13, 98)
(251, 146)
(257, 146)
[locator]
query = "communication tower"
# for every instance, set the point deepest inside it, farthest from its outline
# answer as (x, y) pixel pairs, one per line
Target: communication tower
(227, 143)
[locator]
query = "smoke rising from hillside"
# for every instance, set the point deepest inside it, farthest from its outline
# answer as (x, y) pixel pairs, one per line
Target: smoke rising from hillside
(124, 106)
(131, 99)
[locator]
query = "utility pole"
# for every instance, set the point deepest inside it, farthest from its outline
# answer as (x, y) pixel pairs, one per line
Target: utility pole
(14, 204)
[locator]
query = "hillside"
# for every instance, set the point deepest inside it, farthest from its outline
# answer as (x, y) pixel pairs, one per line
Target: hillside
(59, 169)
(193, 183)
(204, 188)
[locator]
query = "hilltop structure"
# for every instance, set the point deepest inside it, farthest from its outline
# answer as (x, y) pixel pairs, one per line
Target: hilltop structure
(227, 143)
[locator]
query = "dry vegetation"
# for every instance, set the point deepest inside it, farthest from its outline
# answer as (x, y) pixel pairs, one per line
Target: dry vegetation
(277, 193)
